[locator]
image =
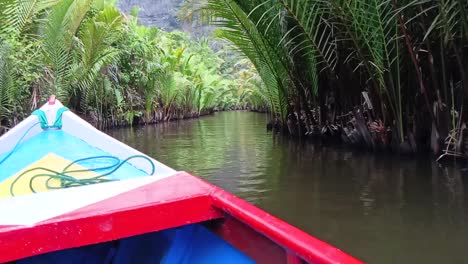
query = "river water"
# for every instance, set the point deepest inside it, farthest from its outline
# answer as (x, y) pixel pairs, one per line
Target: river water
(381, 209)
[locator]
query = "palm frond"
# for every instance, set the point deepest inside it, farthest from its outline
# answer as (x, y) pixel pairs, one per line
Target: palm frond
(6, 83)
(311, 18)
(249, 38)
(451, 22)
(17, 15)
(96, 52)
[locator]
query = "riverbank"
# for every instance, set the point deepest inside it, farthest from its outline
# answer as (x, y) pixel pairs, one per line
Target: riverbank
(140, 119)
(158, 116)
(359, 130)
(349, 136)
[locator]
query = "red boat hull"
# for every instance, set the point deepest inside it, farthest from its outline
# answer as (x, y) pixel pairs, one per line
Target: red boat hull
(175, 201)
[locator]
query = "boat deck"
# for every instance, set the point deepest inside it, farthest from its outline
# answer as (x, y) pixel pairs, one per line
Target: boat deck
(55, 149)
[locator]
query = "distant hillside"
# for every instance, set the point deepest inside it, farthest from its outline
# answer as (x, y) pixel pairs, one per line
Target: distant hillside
(162, 14)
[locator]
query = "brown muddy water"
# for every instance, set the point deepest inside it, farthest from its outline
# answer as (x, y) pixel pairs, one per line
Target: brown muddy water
(379, 208)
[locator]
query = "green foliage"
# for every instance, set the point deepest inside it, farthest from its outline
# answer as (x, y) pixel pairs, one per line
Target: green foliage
(104, 65)
(316, 57)
(17, 16)
(6, 83)
(249, 38)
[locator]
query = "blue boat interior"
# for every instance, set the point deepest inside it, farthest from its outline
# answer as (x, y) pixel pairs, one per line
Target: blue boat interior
(70, 148)
(193, 244)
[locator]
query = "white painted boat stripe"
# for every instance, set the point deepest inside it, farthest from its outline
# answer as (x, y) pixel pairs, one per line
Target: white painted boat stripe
(31, 209)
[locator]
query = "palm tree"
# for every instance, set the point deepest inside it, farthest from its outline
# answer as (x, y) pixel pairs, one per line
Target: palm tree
(308, 51)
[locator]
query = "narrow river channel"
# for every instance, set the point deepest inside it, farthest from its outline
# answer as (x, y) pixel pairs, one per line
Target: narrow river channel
(381, 209)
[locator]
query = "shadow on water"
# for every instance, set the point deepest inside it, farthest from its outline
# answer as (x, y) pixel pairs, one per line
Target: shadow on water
(380, 209)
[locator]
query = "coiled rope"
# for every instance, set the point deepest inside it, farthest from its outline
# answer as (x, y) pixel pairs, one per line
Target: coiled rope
(67, 180)
(65, 177)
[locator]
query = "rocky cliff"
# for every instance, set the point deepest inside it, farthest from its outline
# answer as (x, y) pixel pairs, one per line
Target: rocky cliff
(162, 14)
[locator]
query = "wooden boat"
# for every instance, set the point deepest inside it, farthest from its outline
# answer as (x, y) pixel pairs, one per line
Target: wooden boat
(116, 213)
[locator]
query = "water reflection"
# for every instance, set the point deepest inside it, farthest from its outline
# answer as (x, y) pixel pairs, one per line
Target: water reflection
(379, 208)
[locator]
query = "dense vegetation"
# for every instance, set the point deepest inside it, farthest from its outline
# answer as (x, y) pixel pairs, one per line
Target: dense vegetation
(110, 69)
(375, 73)
(381, 73)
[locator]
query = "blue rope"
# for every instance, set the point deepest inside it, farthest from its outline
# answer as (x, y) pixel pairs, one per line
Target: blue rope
(66, 180)
(18, 143)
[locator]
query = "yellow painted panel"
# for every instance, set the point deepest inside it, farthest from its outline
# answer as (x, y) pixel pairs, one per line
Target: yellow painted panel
(51, 162)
